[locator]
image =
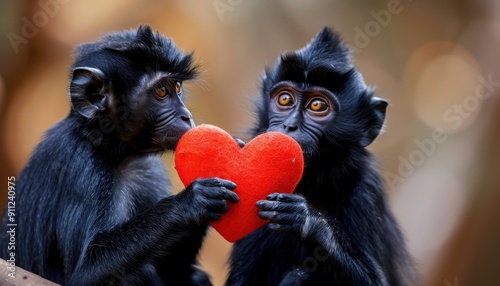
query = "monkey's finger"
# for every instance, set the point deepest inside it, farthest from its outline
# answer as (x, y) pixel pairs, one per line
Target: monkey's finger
(272, 197)
(274, 226)
(279, 227)
(222, 193)
(267, 205)
(282, 218)
(217, 182)
(286, 197)
(213, 216)
(278, 217)
(217, 206)
(232, 197)
(267, 214)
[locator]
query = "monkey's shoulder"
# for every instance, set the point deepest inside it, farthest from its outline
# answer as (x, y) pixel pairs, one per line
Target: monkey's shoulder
(63, 159)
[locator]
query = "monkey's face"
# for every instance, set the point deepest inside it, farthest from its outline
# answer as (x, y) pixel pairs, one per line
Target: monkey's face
(317, 96)
(321, 120)
(170, 118)
(158, 116)
(147, 114)
(128, 87)
(302, 113)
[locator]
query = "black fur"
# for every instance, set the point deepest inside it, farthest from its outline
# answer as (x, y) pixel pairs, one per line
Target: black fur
(94, 204)
(337, 228)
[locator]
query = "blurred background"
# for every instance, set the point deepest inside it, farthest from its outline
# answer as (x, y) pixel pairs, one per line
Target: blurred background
(437, 62)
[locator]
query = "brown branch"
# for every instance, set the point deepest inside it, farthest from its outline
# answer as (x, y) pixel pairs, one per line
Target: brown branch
(21, 277)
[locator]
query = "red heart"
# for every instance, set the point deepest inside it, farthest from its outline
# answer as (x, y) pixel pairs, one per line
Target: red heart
(271, 162)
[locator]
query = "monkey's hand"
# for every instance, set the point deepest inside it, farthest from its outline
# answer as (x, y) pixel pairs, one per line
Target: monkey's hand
(292, 213)
(207, 198)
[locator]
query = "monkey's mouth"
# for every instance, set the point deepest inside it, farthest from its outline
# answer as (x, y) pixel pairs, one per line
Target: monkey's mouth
(170, 141)
(158, 145)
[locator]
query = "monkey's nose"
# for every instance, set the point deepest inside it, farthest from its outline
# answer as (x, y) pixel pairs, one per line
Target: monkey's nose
(188, 118)
(290, 128)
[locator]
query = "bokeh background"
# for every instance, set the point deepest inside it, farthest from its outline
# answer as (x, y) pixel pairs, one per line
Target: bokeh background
(437, 62)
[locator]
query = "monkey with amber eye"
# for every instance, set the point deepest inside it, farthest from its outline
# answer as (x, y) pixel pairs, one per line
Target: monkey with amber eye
(337, 227)
(94, 203)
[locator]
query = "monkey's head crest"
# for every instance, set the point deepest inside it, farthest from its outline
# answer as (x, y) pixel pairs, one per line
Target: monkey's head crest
(322, 62)
(142, 48)
(325, 53)
(327, 48)
(323, 67)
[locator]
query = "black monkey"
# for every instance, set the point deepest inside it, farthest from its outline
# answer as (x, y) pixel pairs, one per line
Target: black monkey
(93, 204)
(337, 228)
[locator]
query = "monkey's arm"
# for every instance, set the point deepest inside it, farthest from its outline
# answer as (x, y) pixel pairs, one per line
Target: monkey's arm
(328, 243)
(165, 228)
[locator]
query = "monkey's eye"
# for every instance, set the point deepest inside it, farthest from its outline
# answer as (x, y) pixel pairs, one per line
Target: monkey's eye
(178, 87)
(285, 99)
(161, 91)
(318, 105)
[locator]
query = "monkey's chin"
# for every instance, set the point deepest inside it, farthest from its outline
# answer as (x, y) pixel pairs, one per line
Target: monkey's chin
(170, 143)
(309, 153)
(152, 149)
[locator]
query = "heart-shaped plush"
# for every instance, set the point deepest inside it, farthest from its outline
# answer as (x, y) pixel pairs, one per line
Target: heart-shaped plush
(271, 162)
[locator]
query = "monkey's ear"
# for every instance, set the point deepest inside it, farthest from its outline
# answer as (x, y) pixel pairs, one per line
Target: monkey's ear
(375, 121)
(86, 90)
